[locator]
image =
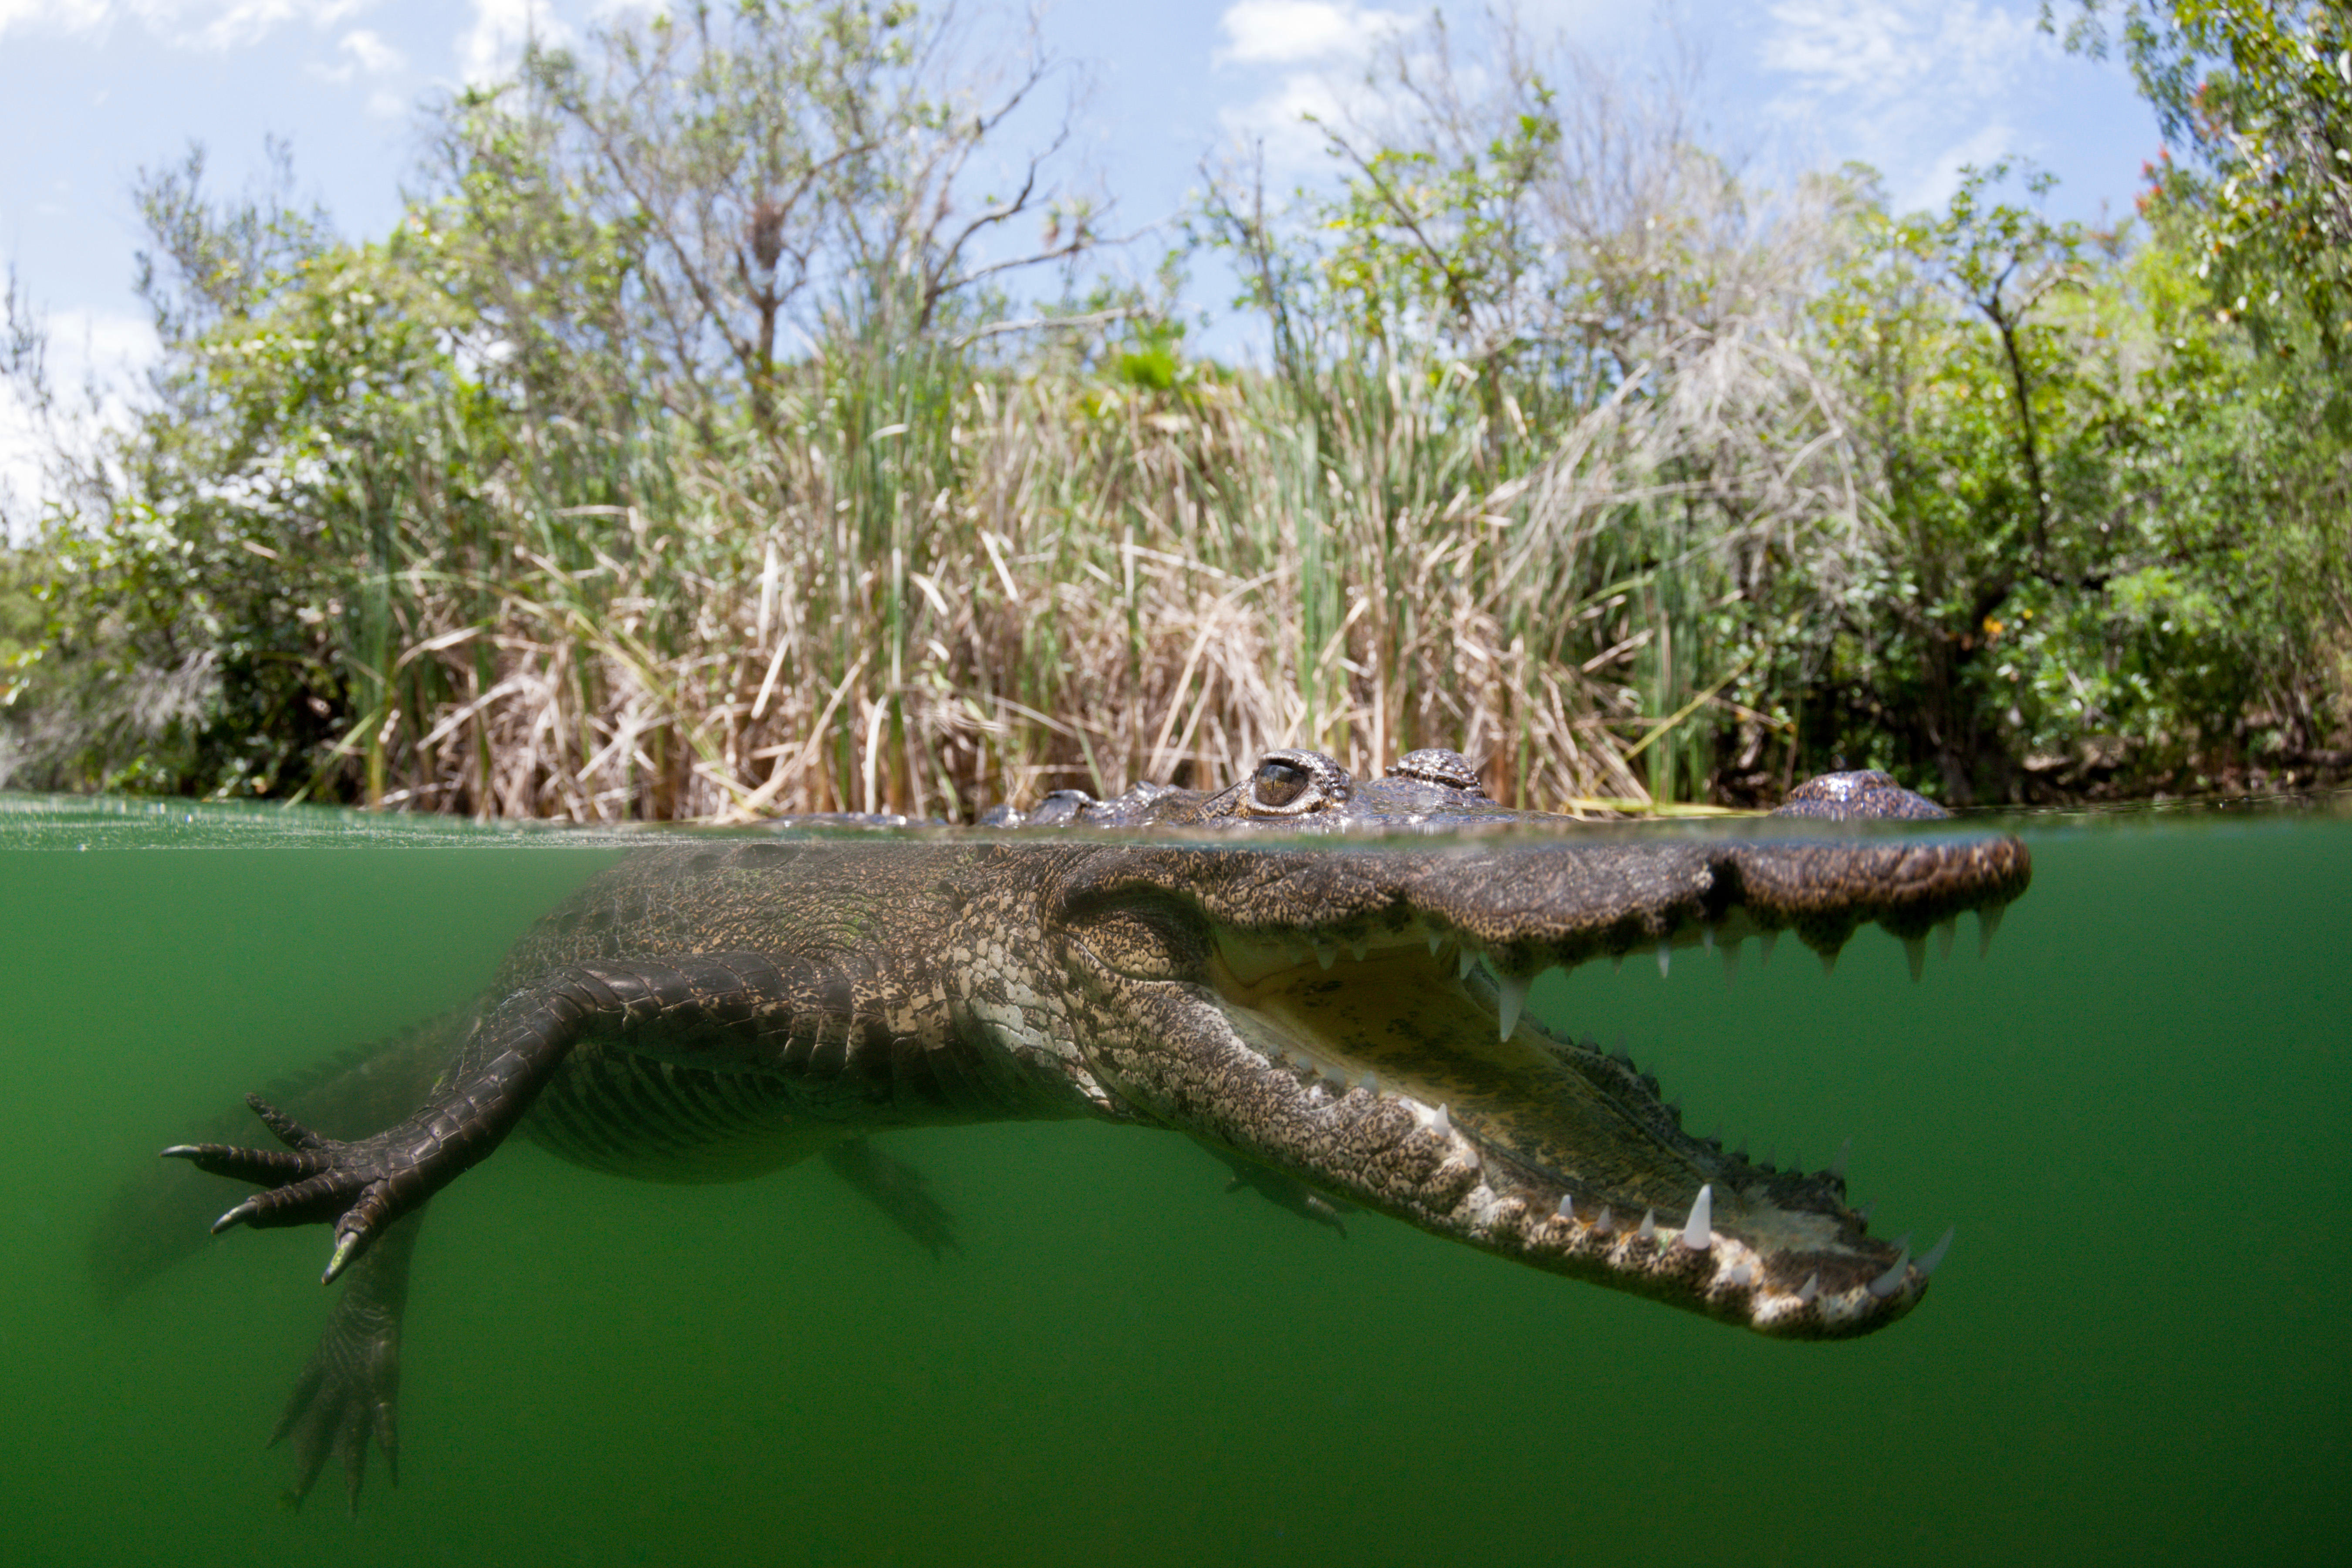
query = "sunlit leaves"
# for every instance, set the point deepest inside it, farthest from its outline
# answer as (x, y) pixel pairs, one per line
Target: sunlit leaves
(2259, 93)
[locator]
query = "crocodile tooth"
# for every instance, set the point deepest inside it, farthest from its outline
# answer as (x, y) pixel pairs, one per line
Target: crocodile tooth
(1510, 1000)
(1649, 1231)
(1368, 1082)
(1665, 958)
(1706, 937)
(1435, 941)
(1945, 931)
(1604, 1222)
(1701, 1228)
(1442, 1124)
(1356, 949)
(1809, 1288)
(1914, 953)
(1988, 922)
(1566, 1209)
(1864, 1210)
(1829, 961)
(1465, 961)
(1837, 1166)
(1326, 954)
(1891, 1281)
(1616, 963)
(1765, 944)
(1935, 1254)
(1739, 1277)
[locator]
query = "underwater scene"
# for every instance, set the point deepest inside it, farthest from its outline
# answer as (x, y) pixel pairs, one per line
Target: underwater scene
(2135, 1108)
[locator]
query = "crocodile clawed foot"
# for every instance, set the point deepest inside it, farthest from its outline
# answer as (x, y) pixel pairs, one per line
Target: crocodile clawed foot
(349, 1391)
(344, 1396)
(311, 1181)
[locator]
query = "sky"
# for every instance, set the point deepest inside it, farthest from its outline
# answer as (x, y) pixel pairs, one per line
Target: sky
(93, 90)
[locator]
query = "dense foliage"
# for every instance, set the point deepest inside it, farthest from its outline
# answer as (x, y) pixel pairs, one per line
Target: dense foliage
(2259, 92)
(679, 453)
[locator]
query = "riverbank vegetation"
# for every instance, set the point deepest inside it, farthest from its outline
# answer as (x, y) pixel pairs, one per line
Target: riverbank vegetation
(708, 440)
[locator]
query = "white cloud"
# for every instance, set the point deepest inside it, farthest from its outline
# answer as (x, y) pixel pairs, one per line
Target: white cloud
(94, 357)
(489, 46)
(1318, 51)
(1295, 32)
(214, 24)
(1917, 88)
(363, 53)
(245, 22)
(1875, 52)
(1278, 119)
(55, 16)
(369, 52)
(1935, 186)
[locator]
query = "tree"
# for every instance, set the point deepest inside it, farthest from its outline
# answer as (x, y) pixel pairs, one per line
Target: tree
(2260, 93)
(746, 175)
(355, 463)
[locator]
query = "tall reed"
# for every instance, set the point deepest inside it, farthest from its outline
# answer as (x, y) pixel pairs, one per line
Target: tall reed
(945, 584)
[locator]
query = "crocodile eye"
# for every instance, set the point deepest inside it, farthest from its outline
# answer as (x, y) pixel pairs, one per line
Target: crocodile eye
(1294, 783)
(1278, 783)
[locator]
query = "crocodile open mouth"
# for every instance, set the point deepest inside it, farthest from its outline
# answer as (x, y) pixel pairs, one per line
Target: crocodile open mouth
(1573, 1160)
(1357, 1022)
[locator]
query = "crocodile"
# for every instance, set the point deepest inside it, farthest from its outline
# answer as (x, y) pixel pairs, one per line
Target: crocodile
(1322, 980)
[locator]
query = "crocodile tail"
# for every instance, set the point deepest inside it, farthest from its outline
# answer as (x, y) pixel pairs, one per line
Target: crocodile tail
(161, 1212)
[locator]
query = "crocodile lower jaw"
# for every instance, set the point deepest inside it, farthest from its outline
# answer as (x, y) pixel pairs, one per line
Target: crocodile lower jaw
(1545, 1149)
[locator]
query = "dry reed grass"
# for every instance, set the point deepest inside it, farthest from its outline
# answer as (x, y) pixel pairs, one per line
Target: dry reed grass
(1043, 580)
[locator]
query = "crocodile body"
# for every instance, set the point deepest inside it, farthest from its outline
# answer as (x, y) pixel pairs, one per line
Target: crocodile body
(1333, 1010)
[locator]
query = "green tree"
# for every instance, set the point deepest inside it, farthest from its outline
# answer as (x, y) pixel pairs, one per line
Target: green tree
(2260, 93)
(354, 463)
(746, 182)
(2100, 538)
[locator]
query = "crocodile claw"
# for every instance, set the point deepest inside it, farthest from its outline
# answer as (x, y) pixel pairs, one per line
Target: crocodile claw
(305, 1154)
(311, 1181)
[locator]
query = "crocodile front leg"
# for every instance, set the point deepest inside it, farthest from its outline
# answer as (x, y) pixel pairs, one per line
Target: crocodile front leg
(735, 1011)
(348, 1390)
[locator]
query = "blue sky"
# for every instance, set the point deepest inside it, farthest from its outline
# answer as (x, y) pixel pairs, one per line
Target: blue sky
(92, 90)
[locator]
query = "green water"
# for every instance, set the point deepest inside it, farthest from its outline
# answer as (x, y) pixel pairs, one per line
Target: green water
(2138, 1112)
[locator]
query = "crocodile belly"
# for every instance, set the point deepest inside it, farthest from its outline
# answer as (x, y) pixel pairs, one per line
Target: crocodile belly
(632, 1116)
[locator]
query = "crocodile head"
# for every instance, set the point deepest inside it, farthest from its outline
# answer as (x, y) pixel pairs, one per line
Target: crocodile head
(1353, 1019)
